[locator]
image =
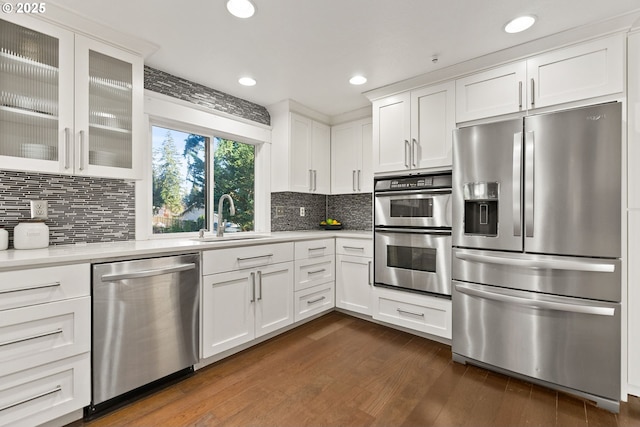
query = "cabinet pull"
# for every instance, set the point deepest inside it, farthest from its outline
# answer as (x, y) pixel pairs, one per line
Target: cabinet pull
(533, 92)
(315, 300)
(355, 248)
(406, 163)
(81, 150)
(414, 152)
(520, 94)
(317, 248)
(322, 270)
(32, 337)
(29, 399)
(260, 284)
(369, 272)
(310, 179)
(411, 313)
(353, 180)
(254, 257)
(315, 180)
(67, 148)
(359, 171)
(253, 287)
(47, 285)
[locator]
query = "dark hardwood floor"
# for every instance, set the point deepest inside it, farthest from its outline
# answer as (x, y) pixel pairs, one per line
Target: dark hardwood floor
(341, 371)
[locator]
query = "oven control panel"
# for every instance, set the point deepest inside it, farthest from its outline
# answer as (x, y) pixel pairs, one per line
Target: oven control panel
(416, 182)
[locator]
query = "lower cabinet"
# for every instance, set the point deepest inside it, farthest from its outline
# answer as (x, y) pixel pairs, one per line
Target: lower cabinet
(314, 300)
(239, 306)
(415, 311)
(354, 275)
(314, 278)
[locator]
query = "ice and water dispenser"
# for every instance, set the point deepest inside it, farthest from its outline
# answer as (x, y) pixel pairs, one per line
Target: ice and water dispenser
(481, 208)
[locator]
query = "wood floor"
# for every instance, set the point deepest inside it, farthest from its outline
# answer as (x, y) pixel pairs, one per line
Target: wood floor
(341, 371)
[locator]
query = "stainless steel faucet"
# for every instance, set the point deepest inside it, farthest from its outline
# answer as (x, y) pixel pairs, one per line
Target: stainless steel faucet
(232, 211)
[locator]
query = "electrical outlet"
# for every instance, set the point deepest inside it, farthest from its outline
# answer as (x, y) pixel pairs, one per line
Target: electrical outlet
(39, 209)
(302, 212)
(279, 211)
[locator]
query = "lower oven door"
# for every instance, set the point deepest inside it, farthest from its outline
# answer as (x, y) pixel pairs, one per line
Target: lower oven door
(570, 342)
(413, 259)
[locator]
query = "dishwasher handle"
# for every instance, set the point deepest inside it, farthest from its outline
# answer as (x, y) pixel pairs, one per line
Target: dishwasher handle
(147, 273)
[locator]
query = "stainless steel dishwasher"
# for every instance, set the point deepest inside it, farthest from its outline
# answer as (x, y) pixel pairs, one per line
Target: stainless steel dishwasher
(145, 325)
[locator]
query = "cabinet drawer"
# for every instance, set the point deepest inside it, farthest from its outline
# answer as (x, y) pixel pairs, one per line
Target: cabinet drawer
(36, 335)
(34, 286)
(41, 394)
(314, 248)
(314, 300)
(311, 272)
(357, 247)
(221, 260)
(420, 312)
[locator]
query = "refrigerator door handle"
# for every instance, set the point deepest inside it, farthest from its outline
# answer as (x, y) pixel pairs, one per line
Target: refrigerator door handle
(537, 303)
(517, 179)
(529, 178)
(539, 264)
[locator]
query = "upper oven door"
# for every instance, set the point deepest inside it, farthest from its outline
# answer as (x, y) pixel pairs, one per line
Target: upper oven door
(413, 208)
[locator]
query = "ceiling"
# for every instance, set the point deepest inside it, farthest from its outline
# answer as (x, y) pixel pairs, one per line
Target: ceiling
(306, 50)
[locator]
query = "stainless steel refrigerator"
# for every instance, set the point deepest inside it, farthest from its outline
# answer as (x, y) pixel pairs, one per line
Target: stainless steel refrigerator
(536, 249)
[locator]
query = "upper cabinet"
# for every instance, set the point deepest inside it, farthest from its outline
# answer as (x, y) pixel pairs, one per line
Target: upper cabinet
(351, 152)
(68, 104)
(413, 130)
(575, 73)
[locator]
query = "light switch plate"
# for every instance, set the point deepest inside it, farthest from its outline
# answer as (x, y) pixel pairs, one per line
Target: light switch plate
(39, 209)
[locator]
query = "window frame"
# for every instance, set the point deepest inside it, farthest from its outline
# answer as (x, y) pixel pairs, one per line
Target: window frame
(167, 112)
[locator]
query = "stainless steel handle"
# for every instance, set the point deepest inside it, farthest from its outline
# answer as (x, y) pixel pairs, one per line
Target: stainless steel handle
(533, 92)
(356, 248)
(317, 248)
(29, 399)
(410, 312)
(322, 270)
(254, 257)
(520, 94)
(414, 152)
(315, 300)
(406, 145)
(516, 182)
(434, 232)
(529, 179)
(393, 193)
(81, 150)
(260, 284)
(315, 179)
(538, 264)
(353, 180)
(359, 171)
(538, 304)
(147, 273)
(67, 148)
(47, 285)
(310, 179)
(31, 337)
(253, 287)
(369, 266)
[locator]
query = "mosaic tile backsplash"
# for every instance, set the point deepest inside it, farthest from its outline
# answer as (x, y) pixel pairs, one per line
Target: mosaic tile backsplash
(81, 209)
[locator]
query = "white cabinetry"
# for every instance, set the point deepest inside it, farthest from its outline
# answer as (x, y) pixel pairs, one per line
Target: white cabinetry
(351, 157)
(414, 130)
(354, 274)
(45, 343)
(583, 71)
(414, 311)
(247, 293)
(70, 104)
(314, 277)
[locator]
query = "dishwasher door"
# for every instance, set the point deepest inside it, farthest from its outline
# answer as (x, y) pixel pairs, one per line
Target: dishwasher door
(145, 322)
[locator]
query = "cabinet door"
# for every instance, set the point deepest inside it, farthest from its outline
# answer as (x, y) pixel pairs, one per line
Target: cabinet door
(391, 133)
(354, 278)
(300, 162)
(274, 298)
(321, 158)
(365, 183)
(491, 93)
(227, 311)
(579, 72)
(432, 125)
(345, 153)
(634, 300)
(108, 110)
(36, 111)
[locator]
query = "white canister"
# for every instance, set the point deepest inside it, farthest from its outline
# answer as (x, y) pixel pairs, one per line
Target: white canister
(4, 239)
(31, 234)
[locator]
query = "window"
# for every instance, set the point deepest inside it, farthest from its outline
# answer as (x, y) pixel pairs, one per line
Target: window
(190, 172)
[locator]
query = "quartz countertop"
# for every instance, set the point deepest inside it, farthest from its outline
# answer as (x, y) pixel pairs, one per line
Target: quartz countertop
(100, 252)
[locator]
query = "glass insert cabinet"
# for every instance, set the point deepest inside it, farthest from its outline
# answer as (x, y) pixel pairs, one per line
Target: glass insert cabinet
(68, 104)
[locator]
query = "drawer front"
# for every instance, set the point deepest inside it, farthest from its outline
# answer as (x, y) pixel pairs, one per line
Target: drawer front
(314, 248)
(38, 285)
(41, 394)
(221, 260)
(36, 335)
(356, 247)
(420, 312)
(314, 300)
(314, 271)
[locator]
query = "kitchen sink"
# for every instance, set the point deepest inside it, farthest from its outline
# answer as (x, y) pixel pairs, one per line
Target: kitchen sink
(232, 236)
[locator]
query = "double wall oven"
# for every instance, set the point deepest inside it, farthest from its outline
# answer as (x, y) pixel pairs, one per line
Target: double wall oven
(412, 233)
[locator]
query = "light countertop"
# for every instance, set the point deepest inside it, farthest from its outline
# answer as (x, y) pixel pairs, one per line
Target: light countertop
(100, 252)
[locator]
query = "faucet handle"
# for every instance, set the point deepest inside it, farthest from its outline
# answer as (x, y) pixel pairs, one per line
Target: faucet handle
(201, 233)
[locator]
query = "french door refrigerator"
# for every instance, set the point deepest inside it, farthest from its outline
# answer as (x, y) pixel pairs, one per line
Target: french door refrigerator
(536, 249)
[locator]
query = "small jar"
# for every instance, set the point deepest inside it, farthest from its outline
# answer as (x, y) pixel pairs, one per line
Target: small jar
(31, 234)
(4, 239)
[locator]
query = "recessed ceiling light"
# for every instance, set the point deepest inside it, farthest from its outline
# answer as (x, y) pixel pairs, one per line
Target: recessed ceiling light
(241, 8)
(519, 24)
(358, 80)
(247, 81)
